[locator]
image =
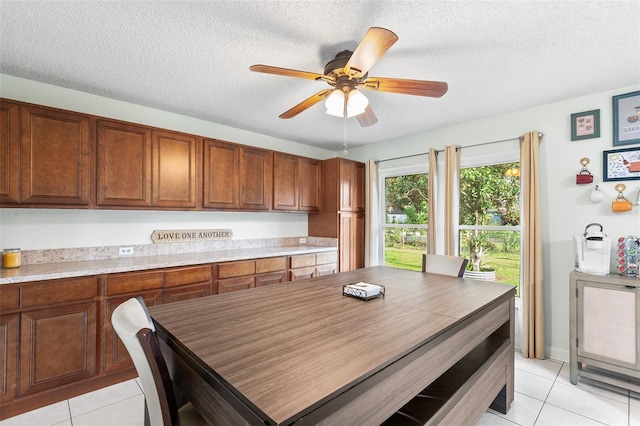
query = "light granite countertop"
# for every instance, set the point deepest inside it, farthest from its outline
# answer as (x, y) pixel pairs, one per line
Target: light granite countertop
(80, 268)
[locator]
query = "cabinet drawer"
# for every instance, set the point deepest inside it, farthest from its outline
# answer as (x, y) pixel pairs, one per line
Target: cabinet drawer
(134, 282)
(302, 260)
(236, 269)
(50, 292)
(329, 257)
(271, 264)
(9, 297)
(183, 276)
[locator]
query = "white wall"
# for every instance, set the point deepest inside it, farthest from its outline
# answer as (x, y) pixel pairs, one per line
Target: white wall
(565, 207)
(32, 229)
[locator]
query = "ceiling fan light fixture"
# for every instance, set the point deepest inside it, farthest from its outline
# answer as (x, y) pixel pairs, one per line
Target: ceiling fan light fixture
(356, 103)
(335, 103)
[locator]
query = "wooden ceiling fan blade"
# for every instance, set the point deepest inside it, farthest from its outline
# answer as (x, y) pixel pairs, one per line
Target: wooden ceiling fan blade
(432, 89)
(289, 72)
(373, 45)
(367, 118)
(307, 103)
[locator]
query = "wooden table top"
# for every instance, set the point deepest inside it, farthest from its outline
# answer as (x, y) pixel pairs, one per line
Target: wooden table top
(288, 348)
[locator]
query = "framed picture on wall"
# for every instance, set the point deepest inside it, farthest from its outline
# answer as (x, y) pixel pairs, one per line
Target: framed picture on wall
(626, 119)
(621, 164)
(585, 125)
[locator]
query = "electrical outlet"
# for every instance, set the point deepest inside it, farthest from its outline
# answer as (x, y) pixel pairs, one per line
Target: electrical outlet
(303, 241)
(125, 251)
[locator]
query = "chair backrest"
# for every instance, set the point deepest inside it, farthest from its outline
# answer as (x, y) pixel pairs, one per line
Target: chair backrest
(444, 265)
(132, 323)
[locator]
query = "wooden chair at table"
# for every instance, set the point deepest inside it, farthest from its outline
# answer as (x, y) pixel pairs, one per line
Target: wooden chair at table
(444, 265)
(133, 325)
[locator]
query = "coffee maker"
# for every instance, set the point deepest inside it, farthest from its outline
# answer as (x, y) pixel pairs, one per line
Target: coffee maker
(592, 251)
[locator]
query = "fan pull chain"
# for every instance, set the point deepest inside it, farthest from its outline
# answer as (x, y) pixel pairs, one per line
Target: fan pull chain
(344, 114)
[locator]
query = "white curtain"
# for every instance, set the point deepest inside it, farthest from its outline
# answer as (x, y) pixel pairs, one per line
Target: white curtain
(451, 190)
(531, 241)
(372, 218)
(432, 234)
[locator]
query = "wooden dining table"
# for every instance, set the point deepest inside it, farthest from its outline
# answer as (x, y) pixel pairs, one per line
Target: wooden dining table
(304, 353)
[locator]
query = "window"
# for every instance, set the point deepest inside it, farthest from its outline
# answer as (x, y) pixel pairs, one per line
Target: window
(489, 211)
(489, 231)
(405, 225)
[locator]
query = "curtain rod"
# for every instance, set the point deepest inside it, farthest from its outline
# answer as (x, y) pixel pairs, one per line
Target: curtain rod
(442, 150)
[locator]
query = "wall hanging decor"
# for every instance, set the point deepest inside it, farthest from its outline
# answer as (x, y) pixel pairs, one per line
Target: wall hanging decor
(584, 176)
(595, 196)
(626, 119)
(621, 204)
(621, 164)
(585, 125)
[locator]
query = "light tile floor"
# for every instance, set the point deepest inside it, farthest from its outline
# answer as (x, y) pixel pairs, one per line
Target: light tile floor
(543, 397)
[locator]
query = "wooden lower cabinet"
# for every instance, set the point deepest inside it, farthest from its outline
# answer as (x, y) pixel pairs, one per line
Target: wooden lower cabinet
(245, 274)
(8, 357)
(57, 346)
(313, 265)
(56, 338)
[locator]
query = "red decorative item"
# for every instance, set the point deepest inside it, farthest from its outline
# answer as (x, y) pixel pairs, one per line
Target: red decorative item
(585, 175)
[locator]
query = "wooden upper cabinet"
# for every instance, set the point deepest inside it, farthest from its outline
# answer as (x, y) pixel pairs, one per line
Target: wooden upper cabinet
(55, 157)
(310, 176)
(220, 174)
(296, 183)
(351, 185)
(343, 185)
(256, 171)
(174, 169)
(285, 182)
(359, 183)
(9, 153)
(124, 164)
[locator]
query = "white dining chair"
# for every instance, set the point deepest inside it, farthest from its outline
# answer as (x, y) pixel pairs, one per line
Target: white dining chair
(133, 325)
(453, 266)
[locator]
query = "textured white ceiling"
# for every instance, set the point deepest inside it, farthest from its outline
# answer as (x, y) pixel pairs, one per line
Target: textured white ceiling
(193, 58)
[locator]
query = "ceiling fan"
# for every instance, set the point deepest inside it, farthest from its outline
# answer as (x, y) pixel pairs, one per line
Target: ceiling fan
(348, 71)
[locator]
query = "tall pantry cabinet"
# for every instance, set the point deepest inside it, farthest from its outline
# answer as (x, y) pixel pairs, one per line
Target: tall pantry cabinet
(343, 211)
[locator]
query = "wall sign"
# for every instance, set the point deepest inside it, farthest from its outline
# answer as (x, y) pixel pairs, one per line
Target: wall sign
(189, 235)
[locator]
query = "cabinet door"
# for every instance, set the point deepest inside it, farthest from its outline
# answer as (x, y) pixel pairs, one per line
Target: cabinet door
(55, 157)
(57, 346)
(124, 164)
(346, 185)
(8, 357)
(255, 179)
(235, 284)
(608, 318)
(359, 187)
(345, 246)
(187, 292)
(221, 173)
(174, 170)
(116, 356)
(285, 182)
(268, 279)
(302, 273)
(358, 241)
(309, 185)
(351, 241)
(9, 153)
